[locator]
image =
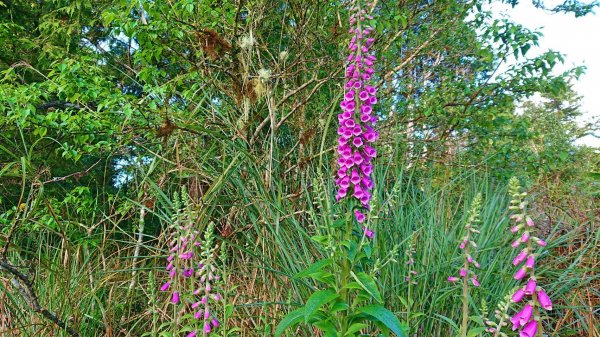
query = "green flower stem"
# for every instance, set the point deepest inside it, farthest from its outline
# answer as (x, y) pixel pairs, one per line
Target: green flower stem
(465, 311)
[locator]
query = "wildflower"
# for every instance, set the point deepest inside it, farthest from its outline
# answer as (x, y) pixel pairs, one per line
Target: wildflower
(518, 295)
(186, 271)
(523, 228)
(522, 317)
(368, 233)
(529, 330)
(530, 287)
(356, 121)
(469, 247)
(165, 286)
(544, 300)
(521, 257)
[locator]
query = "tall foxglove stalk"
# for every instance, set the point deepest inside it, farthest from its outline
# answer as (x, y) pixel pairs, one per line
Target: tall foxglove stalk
(357, 119)
(192, 276)
(528, 320)
(468, 246)
(338, 307)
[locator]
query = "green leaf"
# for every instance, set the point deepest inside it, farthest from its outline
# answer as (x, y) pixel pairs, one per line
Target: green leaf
(355, 328)
(339, 306)
(384, 316)
(368, 284)
(289, 320)
(314, 268)
(475, 332)
(327, 327)
(316, 301)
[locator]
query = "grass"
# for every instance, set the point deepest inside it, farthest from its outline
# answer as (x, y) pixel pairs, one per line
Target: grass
(86, 279)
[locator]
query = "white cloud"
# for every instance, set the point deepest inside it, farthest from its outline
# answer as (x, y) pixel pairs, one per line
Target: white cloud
(577, 38)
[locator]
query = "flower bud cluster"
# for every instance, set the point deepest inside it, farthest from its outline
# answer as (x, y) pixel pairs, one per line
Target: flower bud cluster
(357, 119)
(527, 320)
(468, 245)
(192, 275)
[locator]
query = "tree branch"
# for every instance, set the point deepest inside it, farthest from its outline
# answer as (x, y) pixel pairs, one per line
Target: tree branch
(26, 288)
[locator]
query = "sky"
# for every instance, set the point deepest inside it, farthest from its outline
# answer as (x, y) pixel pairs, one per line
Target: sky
(577, 38)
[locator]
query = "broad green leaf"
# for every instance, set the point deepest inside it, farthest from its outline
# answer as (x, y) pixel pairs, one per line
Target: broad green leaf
(327, 327)
(338, 306)
(475, 332)
(289, 320)
(355, 328)
(315, 267)
(316, 301)
(384, 316)
(368, 284)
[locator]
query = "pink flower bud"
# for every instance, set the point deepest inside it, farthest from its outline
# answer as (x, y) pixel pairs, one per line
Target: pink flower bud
(520, 257)
(368, 233)
(544, 300)
(165, 286)
(529, 222)
(530, 287)
(520, 274)
(463, 272)
(530, 262)
(175, 298)
(360, 217)
(518, 295)
(452, 279)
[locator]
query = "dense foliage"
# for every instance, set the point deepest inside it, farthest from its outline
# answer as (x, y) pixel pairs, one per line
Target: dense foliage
(110, 108)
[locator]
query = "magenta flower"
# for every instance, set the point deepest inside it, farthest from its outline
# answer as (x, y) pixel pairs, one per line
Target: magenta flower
(165, 286)
(529, 222)
(544, 300)
(530, 263)
(530, 287)
(360, 217)
(521, 257)
(529, 330)
(452, 279)
(518, 295)
(368, 233)
(520, 274)
(175, 298)
(522, 317)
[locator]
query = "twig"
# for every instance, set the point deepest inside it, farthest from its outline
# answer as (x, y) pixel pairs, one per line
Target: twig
(75, 174)
(26, 288)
